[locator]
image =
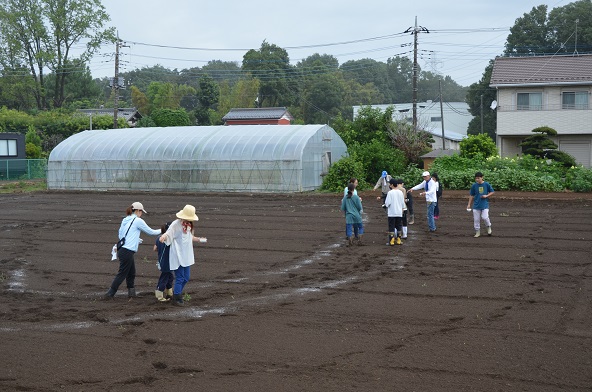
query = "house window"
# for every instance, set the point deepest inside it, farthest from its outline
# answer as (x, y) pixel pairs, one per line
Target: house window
(8, 148)
(574, 100)
(529, 101)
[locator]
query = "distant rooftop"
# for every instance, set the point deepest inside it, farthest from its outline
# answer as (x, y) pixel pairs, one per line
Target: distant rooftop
(273, 113)
(542, 70)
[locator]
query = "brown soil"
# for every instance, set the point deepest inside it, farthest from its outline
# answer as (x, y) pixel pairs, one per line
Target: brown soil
(279, 303)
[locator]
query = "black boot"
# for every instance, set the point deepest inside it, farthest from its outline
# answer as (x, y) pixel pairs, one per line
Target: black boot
(131, 292)
(178, 300)
(109, 294)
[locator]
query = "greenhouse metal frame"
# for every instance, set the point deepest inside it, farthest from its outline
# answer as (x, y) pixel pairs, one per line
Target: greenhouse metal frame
(253, 158)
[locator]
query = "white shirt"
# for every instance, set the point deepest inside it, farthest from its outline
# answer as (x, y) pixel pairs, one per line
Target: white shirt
(181, 246)
(395, 203)
(430, 195)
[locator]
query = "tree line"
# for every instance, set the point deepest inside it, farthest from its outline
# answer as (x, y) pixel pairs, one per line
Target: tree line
(40, 73)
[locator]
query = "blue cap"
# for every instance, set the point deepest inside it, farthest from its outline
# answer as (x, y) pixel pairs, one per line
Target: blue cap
(384, 173)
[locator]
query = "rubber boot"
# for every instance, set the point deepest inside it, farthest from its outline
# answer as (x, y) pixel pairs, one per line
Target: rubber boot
(391, 239)
(178, 300)
(168, 293)
(350, 241)
(488, 230)
(477, 233)
(160, 296)
(109, 294)
(404, 232)
(131, 292)
(411, 219)
(360, 240)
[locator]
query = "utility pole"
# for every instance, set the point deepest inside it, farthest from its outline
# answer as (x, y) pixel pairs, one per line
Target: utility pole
(442, 116)
(115, 84)
(481, 113)
(415, 31)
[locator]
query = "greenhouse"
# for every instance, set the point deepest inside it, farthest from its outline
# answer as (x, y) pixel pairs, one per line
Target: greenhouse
(254, 158)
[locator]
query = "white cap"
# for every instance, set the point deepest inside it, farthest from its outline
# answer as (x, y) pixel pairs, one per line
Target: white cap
(138, 206)
(425, 173)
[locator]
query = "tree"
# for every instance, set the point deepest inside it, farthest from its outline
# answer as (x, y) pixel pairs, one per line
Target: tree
(562, 23)
(271, 65)
(400, 76)
(80, 90)
(163, 95)
(538, 33)
(318, 63)
(413, 143)
(40, 34)
(240, 95)
(366, 71)
(530, 34)
(473, 99)
(140, 101)
(541, 146)
(323, 94)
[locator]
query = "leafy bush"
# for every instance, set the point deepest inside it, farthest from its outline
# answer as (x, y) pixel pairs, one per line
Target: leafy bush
(340, 173)
(521, 173)
(145, 122)
(579, 179)
(478, 145)
(375, 157)
(170, 117)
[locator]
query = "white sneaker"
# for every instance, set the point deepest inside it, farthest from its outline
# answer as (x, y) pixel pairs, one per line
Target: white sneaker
(477, 234)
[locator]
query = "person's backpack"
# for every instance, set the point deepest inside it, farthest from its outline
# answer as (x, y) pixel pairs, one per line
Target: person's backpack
(439, 191)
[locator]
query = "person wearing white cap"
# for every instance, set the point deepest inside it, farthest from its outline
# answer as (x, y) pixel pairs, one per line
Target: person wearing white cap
(129, 239)
(180, 236)
(429, 186)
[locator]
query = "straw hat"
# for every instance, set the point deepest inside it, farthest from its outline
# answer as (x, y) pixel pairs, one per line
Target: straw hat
(188, 213)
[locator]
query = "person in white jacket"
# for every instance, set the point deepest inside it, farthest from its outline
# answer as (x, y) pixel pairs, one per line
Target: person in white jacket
(180, 236)
(429, 187)
(395, 206)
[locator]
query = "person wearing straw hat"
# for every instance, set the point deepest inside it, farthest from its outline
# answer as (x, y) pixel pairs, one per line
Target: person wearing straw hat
(180, 237)
(129, 235)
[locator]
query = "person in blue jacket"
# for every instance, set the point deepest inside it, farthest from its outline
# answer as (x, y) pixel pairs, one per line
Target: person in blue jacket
(131, 227)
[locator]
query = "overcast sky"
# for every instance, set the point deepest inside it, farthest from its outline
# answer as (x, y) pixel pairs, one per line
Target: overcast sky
(463, 34)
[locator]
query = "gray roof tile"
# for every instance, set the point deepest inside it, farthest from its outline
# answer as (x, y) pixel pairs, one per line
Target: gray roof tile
(537, 70)
(256, 113)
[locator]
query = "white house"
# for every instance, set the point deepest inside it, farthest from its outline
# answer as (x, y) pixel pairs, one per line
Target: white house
(551, 91)
(429, 117)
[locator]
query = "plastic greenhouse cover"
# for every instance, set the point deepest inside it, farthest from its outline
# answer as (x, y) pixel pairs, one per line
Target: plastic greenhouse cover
(234, 142)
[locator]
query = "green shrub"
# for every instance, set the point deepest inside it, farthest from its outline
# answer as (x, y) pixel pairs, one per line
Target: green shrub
(579, 179)
(377, 156)
(478, 145)
(340, 173)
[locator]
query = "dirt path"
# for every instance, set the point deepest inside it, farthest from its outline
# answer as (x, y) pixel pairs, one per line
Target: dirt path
(278, 303)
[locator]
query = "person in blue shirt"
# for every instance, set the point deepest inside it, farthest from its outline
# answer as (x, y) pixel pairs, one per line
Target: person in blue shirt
(479, 201)
(131, 227)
